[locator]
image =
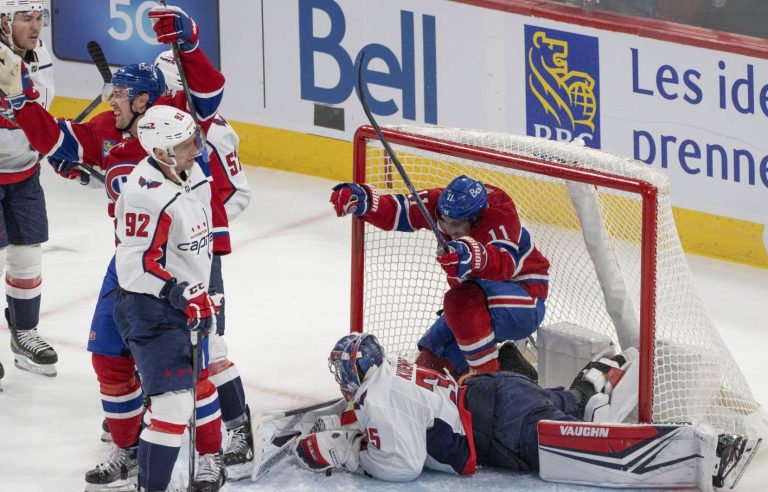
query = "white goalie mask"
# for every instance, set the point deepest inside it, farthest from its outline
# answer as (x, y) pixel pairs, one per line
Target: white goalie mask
(165, 127)
(167, 64)
(9, 9)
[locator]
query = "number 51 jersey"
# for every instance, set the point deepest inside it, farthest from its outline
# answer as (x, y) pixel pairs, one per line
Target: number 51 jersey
(163, 230)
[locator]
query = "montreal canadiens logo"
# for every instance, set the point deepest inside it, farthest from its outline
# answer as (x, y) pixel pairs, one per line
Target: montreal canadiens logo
(115, 179)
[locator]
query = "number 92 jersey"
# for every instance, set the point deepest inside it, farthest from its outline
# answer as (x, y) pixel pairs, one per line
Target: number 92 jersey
(163, 230)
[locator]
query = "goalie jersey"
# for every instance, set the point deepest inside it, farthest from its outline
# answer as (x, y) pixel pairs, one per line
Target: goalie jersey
(431, 431)
(163, 230)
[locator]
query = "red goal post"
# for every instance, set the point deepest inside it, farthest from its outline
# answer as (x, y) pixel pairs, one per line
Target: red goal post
(604, 221)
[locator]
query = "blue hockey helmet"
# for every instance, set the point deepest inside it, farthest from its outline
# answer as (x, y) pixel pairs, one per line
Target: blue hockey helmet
(463, 199)
(138, 78)
(353, 358)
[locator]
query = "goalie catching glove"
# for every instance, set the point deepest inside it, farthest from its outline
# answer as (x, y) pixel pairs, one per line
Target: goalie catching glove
(328, 450)
(16, 86)
(353, 198)
(464, 258)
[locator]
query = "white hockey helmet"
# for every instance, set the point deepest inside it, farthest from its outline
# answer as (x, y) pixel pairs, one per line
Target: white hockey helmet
(9, 8)
(166, 62)
(165, 127)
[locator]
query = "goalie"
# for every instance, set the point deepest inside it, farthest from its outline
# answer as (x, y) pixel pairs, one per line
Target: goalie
(404, 418)
(498, 279)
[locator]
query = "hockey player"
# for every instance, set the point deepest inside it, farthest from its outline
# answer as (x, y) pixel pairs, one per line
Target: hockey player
(23, 220)
(498, 279)
(404, 418)
(108, 142)
(231, 183)
(163, 261)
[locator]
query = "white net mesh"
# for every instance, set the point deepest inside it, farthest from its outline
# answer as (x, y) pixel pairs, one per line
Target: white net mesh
(695, 378)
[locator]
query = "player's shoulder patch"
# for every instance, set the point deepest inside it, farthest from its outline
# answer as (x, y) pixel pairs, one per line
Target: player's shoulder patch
(148, 183)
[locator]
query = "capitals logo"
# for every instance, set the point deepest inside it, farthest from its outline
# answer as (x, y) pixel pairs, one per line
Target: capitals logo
(148, 183)
(562, 80)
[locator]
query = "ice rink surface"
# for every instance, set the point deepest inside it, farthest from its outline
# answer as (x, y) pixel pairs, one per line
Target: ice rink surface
(287, 290)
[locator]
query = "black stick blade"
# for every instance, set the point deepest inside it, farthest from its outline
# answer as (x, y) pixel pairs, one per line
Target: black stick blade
(97, 55)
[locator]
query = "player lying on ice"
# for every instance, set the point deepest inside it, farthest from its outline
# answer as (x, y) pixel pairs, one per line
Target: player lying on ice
(404, 418)
(498, 279)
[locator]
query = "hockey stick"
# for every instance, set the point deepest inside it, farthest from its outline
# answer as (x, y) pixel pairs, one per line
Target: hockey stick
(183, 78)
(193, 338)
(257, 430)
(97, 55)
(273, 459)
(393, 157)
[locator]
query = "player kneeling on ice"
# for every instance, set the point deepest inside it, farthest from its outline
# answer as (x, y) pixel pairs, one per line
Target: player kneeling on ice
(405, 418)
(498, 279)
(163, 264)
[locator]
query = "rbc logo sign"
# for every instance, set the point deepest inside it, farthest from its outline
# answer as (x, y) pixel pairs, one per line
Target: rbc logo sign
(562, 86)
(400, 72)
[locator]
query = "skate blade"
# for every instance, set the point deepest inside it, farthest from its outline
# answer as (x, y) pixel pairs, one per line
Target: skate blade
(128, 485)
(749, 452)
(239, 471)
(25, 364)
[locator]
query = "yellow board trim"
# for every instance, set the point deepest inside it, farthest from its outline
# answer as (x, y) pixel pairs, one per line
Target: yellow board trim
(700, 233)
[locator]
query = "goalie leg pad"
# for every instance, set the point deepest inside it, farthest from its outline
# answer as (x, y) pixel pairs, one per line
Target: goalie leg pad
(622, 455)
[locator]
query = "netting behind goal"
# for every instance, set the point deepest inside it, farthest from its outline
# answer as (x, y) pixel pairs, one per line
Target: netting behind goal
(605, 223)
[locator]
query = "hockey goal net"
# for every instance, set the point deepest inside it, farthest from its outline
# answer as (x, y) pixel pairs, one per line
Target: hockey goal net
(617, 267)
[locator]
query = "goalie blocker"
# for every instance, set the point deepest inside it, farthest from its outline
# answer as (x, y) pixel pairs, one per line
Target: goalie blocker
(642, 455)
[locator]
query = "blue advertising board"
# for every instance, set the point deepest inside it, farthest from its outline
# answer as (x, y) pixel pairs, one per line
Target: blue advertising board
(562, 85)
(123, 29)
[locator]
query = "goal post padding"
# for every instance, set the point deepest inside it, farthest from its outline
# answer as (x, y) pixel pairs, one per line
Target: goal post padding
(604, 222)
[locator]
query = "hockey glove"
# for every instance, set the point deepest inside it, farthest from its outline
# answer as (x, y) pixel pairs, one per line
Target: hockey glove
(194, 302)
(171, 24)
(16, 86)
(353, 198)
(69, 170)
(465, 257)
(329, 450)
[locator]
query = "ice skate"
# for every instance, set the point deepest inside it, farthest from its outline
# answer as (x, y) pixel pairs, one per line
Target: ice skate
(734, 454)
(211, 473)
(118, 473)
(32, 353)
(238, 456)
(511, 359)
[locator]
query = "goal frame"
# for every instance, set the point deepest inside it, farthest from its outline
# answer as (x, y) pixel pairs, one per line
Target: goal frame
(645, 190)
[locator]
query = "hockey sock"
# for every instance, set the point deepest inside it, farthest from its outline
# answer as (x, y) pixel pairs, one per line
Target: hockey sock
(121, 397)
(23, 286)
(468, 318)
(207, 417)
(225, 376)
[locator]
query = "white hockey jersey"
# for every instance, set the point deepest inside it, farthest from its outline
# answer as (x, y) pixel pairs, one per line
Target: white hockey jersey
(411, 420)
(163, 230)
(229, 178)
(17, 159)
